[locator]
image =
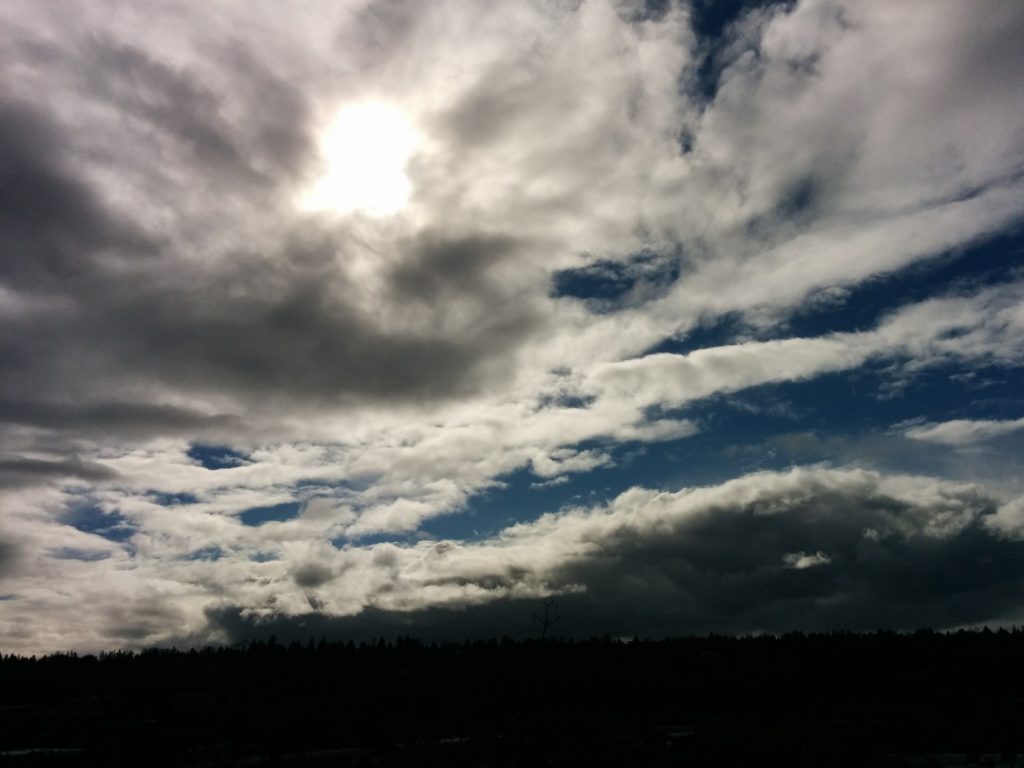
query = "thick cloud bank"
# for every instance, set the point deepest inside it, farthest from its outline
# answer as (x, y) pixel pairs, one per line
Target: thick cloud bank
(810, 547)
(813, 548)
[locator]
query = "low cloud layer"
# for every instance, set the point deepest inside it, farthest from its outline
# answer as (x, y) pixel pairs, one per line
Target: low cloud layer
(616, 220)
(810, 547)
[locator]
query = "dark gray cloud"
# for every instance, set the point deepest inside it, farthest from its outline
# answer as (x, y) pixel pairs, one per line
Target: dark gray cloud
(52, 223)
(810, 550)
(9, 555)
(511, 618)
(139, 621)
(172, 102)
(112, 417)
(25, 471)
(659, 591)
(275, 140)
(312, 575)
(279, 324)
(731, 574)
(440, 269)
(290, 334)
(124, 311)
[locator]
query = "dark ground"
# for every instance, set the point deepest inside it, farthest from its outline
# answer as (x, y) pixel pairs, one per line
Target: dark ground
(881, 699)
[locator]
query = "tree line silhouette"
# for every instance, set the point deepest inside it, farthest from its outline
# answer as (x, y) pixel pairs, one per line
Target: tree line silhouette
(797, 699)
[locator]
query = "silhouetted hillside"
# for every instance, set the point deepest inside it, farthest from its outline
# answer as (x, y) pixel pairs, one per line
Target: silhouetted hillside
(837, 699)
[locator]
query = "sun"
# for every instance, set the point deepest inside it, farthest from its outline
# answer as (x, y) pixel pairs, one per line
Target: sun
(364, 153)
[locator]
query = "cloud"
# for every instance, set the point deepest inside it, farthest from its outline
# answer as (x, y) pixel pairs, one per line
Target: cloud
(597, 185)
(801, 560)
(984, 326)
(224, 326)
(1009, 519)
(25, 471)
(964, 431)
(8, 557)
(49, 216)
(125, 419)
(811, 548)
(293, 314)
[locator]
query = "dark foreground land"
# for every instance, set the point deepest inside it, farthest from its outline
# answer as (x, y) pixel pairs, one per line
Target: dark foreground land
(797, 700)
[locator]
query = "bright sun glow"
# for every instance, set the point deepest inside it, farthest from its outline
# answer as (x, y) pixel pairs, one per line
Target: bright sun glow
(364, 151)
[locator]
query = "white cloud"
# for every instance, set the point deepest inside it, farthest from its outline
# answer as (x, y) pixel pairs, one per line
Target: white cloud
(1009, 519)
(802, 560)
(745, 526)
(964, 431)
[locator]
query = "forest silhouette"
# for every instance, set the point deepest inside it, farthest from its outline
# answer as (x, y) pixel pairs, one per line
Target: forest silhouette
(924, 698)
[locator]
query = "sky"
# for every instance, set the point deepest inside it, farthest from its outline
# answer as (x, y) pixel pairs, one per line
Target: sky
(363, 317)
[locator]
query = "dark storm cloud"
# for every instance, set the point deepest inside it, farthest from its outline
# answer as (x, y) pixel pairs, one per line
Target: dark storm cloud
(171, 101)
(737, 574)
(51, 223)
(281, 130)
(184, 104)
(140, 620)
(280, 321)
(811, 550)
(9, 556)
(290, 332)
(111, 417)
(285, 332)
(868, 557)
(511, 618)
(440, 268)
(177, 103)
(312, 575)
(26, 471)
(671, 589)
(287, 329)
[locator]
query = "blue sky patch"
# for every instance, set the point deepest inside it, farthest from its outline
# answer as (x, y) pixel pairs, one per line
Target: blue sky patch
(710, 20)
(712, 332)
(275, 512)
(89, 517)
(525, 496)
(400, 538)
(216, 456)
(77, 553)
(206, 553)
(565, 401)
(173, 499)
(768, 427)
(863, 306)
(605, 284)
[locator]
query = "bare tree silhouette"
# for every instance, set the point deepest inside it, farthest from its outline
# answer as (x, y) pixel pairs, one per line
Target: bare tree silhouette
(547, 619)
